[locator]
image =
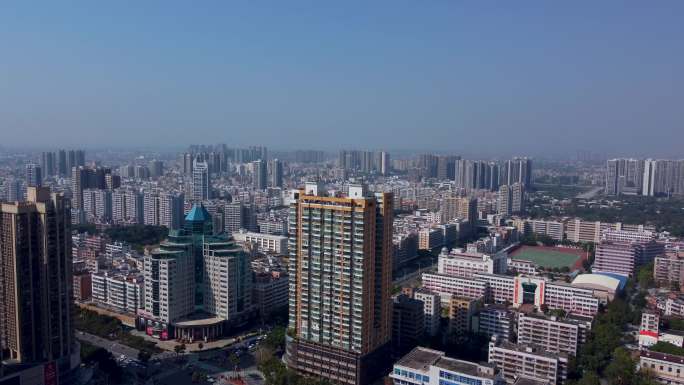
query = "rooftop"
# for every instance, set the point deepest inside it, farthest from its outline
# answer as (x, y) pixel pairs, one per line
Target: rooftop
(465, 367)
(198, 214)
(524, 380)
(420, 358)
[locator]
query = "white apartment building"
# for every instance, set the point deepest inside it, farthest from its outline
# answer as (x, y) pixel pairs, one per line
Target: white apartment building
(432, 310)
(517, 291)
(667, 368)
(552, 334)
(516, 360)
(446, 287)
(522, 266)
(227, 280)
(169, 285)
(118, 291)
(458, 263)
(265, 242)
(493, 320)
(423, 366)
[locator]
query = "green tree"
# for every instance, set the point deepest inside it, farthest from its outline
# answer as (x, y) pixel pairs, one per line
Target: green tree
(645, 276)
(668, 348)
(276, 338)
(589, 378)
(621, 370)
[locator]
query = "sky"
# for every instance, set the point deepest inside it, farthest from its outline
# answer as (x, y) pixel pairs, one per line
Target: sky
(539, 78)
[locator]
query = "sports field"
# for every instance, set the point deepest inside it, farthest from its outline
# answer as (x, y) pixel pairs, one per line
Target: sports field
(548, 256)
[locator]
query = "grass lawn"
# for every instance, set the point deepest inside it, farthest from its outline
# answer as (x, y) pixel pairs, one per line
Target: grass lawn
(546, 258)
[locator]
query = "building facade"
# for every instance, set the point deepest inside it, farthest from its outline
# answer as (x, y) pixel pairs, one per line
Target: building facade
(36, 284)
(340, 249)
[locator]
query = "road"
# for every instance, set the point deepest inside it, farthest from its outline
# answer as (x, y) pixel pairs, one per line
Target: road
(116, 348)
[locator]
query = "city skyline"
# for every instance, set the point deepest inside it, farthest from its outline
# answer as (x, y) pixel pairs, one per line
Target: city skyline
(542, 78)
(320, 193)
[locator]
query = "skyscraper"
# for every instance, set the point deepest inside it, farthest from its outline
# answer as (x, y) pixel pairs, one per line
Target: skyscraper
(47, 163)
(62, 163)
(259, 178)
(34, 175)
(275, 173)
(511, 199)
(340, 278)
(156, 168)
(517, 170)
(238, 215)
(624, 176)
(446, 166)
(201, 181)
(385, 165)
(79, 182)
(71, 159)
(36, 285)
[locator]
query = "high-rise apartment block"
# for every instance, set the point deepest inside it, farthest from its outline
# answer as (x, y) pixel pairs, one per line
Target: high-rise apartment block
(408, 324)
(238, 215)
(340, 279)
(260, 176)
(517, 170)
(201, 181)
(47, 164)
(432, 310)
(275, 173)
(34, 175)
(36, 279)
(97, 205)
(461, 310)
(650, 177)
(127, 206)
(511, 199)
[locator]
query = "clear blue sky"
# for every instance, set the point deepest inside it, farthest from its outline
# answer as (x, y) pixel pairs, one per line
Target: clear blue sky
(535, 77)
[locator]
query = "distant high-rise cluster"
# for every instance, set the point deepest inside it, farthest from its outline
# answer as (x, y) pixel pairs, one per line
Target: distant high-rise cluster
(309, 156)
(364, 161)
(482, 175)
(649, 177)
(91, 190)
(61, 163)
(219, 157)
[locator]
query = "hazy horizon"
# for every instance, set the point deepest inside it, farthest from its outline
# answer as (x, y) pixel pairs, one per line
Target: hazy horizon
(538, 78)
